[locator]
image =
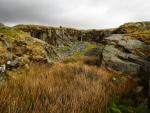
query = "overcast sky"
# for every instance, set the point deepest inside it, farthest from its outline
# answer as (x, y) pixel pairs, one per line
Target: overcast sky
(74, 13)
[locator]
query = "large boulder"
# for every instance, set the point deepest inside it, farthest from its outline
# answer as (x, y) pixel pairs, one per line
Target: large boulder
(128, 51)
(124, 54)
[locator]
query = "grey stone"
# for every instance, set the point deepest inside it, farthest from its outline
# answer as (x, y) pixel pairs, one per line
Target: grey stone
(3, 68)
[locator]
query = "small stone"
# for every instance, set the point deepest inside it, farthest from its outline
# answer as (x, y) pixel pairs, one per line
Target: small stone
(139, 89)
(114, 78)
(3, 68)
(8, 62)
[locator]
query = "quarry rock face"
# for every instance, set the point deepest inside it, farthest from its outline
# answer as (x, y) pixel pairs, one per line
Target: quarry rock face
(64, 36)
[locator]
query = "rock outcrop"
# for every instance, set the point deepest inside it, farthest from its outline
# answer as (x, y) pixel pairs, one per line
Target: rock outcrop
(124, 54)
(18, 49)
(128, 52)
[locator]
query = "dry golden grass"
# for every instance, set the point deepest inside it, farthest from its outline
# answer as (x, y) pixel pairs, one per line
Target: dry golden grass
(62, 88)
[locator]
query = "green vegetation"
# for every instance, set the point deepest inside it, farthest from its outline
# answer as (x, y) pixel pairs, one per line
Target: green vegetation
(125, 106)
(76, 50)
(88, 47)
(133, 27)
(38, 27)
(63, 49)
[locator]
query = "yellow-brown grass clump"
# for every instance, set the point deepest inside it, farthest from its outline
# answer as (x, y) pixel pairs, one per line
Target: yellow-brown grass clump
(62, 88)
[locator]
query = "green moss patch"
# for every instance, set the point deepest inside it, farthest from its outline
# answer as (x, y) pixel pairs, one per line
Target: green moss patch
(13, 33)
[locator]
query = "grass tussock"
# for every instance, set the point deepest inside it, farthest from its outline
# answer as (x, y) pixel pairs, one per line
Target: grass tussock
(63, 88)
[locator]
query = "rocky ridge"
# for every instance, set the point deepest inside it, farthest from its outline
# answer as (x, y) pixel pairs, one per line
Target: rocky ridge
(63, 36)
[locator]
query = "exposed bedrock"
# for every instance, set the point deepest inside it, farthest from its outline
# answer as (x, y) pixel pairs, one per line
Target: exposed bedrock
(125, 55)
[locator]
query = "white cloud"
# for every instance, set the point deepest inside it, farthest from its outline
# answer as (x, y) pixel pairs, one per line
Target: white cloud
(74, 13)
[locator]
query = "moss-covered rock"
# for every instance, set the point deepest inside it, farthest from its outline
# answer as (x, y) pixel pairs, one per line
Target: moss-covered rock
(18, 49)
